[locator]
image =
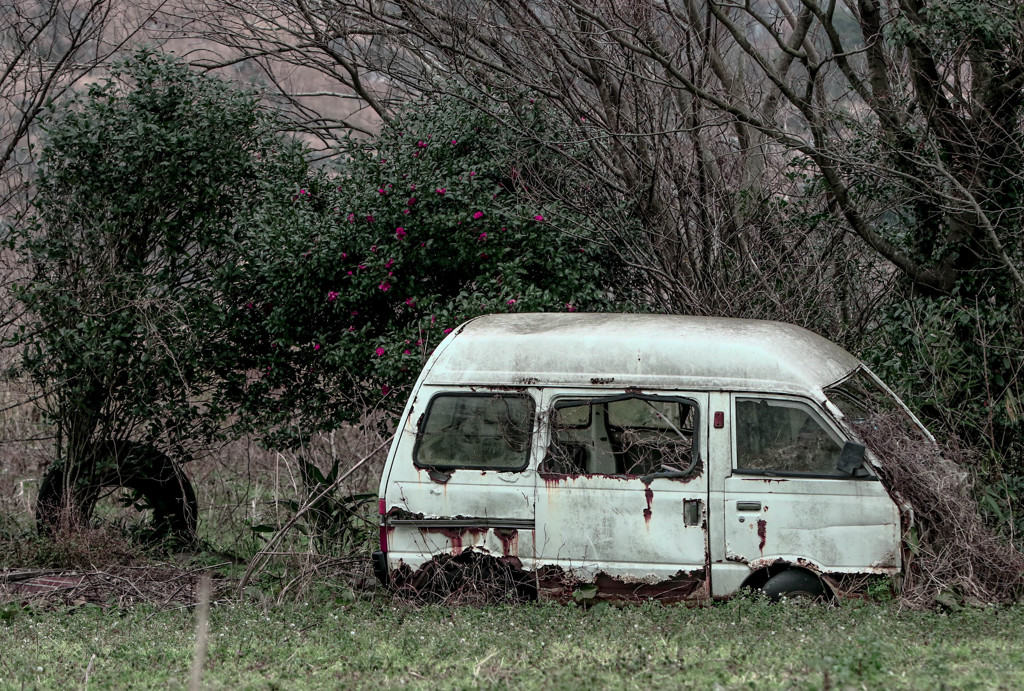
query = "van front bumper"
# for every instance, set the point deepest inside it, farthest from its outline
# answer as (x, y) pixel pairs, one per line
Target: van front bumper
(380, 567)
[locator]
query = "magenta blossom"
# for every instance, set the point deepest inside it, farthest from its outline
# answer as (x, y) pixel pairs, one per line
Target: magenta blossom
(410, 302)
(379, 351)
(511, 302)
(385, 389)
(478, 215)
(441, 190)
(569, 307)
(332, 296)
(385, 286)
(447, 331)
(389, 263)
(538, 217)
(482, 237)
(400, 232)
(316, 346)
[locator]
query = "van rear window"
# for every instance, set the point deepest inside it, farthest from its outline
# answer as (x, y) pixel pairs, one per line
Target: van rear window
(476, 431)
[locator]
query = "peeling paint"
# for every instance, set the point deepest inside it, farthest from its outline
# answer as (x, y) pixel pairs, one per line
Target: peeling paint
(762, 532)
(649, 496)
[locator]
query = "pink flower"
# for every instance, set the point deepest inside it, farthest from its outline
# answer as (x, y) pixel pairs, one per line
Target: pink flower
(389, 263)
(301, 192)
(478, 215)
(412, 186)
(316, 346)
(344, 255)
(405, 211)
(385, 389)
(361, 266)
(332, 296)
(472, 173)
(410, 302)
(248, 305)
(351, 218)
(373, 248)
(379, 351)
(355, 313)
(538, 217)
(399, 232)
(454, 142)
(482, 237)
(412, 200)
(569, 307)
(484, 255)
(406, 352)
(369, 219)
(446, 331)
(385, 286)
(511, 302)
(382, 191)
(441, 190)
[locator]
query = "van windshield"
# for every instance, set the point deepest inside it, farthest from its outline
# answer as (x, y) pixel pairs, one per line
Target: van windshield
(860, 396)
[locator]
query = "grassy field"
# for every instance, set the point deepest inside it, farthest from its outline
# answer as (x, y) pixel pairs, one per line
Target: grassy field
(377, 642)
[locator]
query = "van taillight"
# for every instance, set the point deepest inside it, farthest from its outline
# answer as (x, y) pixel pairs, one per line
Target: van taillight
(383, 528)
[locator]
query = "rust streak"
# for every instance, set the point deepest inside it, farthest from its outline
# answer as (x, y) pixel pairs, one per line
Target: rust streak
(762, 532)
(649, 496)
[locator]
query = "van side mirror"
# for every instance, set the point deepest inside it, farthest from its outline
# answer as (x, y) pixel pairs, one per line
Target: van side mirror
(851, 458)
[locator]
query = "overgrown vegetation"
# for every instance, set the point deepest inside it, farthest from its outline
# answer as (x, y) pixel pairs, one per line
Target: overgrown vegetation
(950, 555)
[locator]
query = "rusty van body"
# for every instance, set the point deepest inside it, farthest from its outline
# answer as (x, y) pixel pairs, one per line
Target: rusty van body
(639, 456)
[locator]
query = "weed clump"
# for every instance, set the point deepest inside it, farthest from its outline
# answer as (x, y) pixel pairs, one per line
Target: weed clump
(950, 556)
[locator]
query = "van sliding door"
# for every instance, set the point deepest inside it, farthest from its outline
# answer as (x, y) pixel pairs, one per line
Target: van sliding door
(622, 495)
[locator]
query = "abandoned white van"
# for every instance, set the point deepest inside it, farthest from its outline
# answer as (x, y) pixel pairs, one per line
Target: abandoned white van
(632, 456)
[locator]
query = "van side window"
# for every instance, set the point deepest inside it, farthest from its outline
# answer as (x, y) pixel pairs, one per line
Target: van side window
(783, 436)
(623, 435)
(482, 431)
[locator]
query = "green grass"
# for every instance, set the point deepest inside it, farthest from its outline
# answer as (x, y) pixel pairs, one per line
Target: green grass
(373, 644)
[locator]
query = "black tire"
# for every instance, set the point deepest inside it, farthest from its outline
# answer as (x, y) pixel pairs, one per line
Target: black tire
(794, 583)
(157, 479)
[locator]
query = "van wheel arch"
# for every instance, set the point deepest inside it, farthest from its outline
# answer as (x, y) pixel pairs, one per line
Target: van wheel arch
(778, 579)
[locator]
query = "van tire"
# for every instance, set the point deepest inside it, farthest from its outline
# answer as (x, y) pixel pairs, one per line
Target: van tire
(794, 583)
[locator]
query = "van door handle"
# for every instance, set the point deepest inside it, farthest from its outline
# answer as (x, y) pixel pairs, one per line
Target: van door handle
(748, 506)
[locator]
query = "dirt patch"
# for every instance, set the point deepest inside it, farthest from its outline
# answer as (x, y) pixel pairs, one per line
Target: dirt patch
(115, 586)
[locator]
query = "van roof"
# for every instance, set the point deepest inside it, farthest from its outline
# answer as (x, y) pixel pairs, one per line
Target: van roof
(648, 351)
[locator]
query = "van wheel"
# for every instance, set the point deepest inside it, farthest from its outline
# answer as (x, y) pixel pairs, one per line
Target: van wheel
(794, 583)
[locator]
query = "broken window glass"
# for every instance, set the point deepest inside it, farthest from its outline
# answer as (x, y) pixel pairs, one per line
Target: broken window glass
(861, 398)
(626, 435)
(487, 432)
(783, 436)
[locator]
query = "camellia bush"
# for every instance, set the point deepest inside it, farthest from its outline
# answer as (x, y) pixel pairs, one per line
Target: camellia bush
(416, 231)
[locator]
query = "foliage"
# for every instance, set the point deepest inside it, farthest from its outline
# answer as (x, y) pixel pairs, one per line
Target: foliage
(147, 184)
(373, 643)
(417, 230)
